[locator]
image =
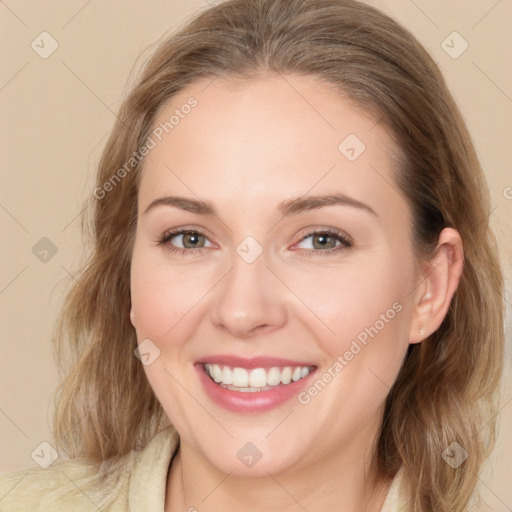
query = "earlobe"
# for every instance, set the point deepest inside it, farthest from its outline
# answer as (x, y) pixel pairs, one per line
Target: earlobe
(441, 278)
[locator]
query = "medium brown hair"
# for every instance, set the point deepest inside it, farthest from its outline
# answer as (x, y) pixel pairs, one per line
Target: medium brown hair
(446, 390)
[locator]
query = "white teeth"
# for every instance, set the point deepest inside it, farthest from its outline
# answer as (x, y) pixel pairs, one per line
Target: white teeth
(274, 376)
(240, 377)
(227, 375)
(286, 375)
(216, 373)
(257, 379)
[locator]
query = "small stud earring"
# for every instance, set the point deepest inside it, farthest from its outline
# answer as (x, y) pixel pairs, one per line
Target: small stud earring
(422, 330)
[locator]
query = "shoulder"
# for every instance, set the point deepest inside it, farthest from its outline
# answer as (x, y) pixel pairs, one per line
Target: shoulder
(65, 485)
(82, 485)
(397, 497)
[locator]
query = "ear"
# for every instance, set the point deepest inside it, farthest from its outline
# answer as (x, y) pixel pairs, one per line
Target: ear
(132, 316)
(441, 276)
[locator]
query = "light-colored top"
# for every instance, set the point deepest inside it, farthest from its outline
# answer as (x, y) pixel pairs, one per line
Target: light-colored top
(65, 486)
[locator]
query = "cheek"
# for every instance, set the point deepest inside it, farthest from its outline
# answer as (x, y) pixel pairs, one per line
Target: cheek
(163, 296)
(365, 313)
(365, 310)
(348, 301)
(164, 300)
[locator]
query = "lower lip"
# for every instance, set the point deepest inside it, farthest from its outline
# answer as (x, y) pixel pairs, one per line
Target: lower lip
(251, 402)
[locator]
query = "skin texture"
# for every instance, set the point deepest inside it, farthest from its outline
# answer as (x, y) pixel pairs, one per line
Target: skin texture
(245, 148)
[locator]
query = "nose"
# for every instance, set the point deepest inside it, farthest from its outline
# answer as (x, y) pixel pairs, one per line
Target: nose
(249, 300)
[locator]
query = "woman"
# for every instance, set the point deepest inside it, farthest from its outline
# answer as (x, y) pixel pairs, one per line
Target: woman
(294, 300)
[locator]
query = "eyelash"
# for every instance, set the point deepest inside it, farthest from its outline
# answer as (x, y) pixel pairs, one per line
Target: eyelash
(166, 237)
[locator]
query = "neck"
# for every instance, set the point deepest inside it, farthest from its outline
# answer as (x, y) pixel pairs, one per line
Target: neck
(195, 485)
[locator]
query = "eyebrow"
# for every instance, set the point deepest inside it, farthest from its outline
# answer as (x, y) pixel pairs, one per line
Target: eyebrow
(292, 206)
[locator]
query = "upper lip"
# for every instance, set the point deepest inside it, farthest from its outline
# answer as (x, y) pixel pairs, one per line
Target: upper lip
(251, 362)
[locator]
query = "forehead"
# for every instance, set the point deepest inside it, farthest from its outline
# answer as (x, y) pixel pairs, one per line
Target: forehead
(268, 138)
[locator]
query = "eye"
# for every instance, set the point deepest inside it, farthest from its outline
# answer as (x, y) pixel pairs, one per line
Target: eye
(326, 242)
(192, 241)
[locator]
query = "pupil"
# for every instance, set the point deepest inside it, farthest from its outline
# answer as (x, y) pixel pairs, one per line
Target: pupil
(324, 238)
(193, 236)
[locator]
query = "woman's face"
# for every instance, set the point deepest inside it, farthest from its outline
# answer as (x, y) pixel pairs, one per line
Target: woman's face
(255, 296)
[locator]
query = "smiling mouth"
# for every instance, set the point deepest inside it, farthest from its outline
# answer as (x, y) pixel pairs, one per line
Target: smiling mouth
(256, 379)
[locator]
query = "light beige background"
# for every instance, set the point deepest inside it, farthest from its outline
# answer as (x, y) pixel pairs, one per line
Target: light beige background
(57, 112)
